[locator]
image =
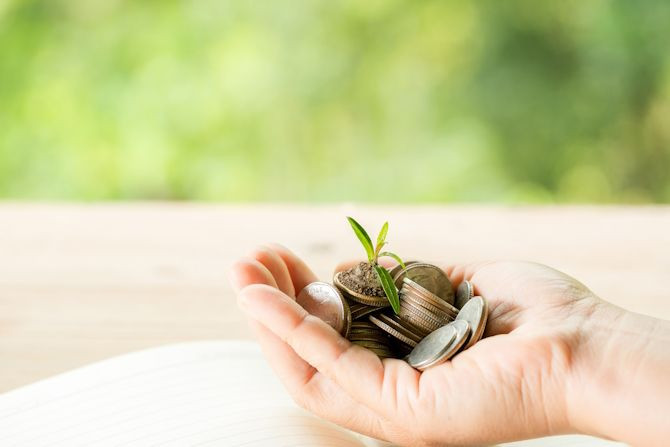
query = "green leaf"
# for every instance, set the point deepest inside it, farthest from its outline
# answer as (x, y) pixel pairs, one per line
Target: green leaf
(394, 256)
(363, 237)
(381, 239)
(389, 287)
(382, 234)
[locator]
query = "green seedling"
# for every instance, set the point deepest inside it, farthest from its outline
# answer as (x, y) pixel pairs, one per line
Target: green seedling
(374, 253)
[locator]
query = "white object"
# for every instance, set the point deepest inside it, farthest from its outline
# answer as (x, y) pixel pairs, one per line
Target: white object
(218, 393)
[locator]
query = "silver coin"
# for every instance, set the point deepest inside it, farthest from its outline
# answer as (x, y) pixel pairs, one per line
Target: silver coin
(326, 302)
(464, 292)
(428, 276)
(439, 346)
(475, 313)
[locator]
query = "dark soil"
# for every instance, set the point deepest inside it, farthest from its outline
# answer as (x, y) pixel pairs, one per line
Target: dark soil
(363, 279)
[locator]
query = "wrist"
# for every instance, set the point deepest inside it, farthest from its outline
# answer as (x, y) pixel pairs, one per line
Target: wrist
(619, 374)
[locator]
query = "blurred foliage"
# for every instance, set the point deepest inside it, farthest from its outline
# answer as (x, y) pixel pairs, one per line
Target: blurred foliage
(302, 100)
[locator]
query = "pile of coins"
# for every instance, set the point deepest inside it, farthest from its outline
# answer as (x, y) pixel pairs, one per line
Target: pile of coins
(433, 324)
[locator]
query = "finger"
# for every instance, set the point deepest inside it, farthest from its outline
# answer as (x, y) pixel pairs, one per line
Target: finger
(505, 314)
(249, 271)
(275, 264)
(457, 273)
(381, 386)
(315, 392)
(301, 275)
(291, 369)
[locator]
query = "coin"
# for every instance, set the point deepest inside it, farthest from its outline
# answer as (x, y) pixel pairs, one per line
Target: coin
(475, 313)
(354, 306)
(423, 327)
(363, 324)
(371, 344)
(362, 311)
(416, 290)
(411, 312)
(367, 332)
(464, 292)
(376, 301)
(326, 302)
(381, 349)
(430, 348)
(395, 270)
(439, 346)
(428, 276)
(368, 337)
(395, 329)
(426, 305)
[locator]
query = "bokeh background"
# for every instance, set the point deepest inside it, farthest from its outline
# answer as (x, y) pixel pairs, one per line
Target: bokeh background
(309, 100)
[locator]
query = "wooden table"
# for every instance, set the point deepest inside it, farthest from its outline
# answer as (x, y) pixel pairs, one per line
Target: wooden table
(79, 283)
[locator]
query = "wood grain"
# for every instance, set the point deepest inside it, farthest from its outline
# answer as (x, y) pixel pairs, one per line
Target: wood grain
(79, 283)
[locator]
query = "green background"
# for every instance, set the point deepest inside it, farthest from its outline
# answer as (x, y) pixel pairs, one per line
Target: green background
(385, 101)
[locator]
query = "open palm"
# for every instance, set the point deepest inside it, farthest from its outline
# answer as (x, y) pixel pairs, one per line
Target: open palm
(511, 385)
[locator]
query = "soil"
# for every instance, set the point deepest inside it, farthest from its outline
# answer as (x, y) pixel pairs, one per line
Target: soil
(362, 279)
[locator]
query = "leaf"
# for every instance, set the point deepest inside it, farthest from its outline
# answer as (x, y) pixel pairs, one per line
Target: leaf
(381, 239)
(363, 237)
(389, 287)
(378, 248)
(394, 256)
(382, 234)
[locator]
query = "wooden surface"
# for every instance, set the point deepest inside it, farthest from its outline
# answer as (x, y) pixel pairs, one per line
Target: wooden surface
(79, 283)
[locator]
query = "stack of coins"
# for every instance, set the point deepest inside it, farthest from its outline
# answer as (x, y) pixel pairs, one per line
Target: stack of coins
(363, 332)
(432, 325)
(361, 311)
(406, 336)
(423, 309)
(367, 335)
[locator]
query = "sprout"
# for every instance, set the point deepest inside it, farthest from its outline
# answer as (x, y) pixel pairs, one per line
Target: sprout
(373, 254)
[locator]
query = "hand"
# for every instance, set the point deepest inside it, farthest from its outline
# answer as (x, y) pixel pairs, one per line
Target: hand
(534, 374)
